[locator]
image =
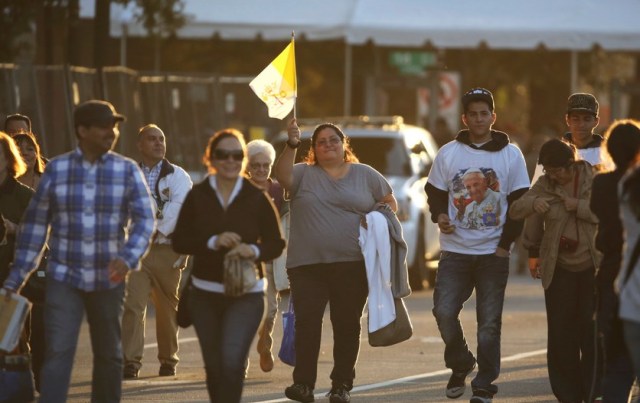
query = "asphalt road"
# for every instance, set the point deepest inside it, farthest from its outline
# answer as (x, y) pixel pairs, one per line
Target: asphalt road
(412, 371)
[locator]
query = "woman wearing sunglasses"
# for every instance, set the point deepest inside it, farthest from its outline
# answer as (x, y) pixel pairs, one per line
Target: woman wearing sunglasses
(226, 215)
(330, 192)
(560, 236)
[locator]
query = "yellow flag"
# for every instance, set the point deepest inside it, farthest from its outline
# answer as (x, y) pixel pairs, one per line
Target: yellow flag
(276, 85)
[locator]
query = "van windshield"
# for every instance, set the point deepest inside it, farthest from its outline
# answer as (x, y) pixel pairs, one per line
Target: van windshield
(388, 156)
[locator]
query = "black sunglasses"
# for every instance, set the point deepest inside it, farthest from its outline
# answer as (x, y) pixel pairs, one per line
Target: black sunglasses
(236, 155)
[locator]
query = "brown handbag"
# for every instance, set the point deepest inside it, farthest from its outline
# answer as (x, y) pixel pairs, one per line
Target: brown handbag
(240, 275)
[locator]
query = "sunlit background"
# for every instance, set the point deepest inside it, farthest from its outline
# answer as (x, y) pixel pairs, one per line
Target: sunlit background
(186, 64)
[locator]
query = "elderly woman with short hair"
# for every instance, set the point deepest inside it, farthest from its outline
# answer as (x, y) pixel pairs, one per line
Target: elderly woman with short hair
(262, 155)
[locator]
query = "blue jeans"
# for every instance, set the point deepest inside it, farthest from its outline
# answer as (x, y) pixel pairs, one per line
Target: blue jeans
(225, 327)
(458, 275)
(64, 310)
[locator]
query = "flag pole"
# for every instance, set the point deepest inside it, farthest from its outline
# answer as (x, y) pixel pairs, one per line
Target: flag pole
(295, 76)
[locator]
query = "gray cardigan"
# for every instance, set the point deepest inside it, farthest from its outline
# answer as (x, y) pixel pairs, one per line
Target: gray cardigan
(399, 272)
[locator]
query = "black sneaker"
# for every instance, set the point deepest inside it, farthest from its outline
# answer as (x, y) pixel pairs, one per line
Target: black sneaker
(339, 394)
(300, 393)
(167, 370)
(457, 385)
(481, 396)
(130, 372)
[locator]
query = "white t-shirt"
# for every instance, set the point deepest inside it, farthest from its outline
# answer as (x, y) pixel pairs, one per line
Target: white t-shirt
(592, 155)
(478, 224)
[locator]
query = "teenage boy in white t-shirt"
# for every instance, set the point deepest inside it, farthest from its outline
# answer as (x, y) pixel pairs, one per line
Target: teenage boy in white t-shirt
(582, 119)
(475, 254)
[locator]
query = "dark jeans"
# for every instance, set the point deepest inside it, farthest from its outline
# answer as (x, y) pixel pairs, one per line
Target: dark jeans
(570, 303)
(225, 327)
(37, 340)
(458, 275)
(618, 373)
(344, 286)
(64, 310)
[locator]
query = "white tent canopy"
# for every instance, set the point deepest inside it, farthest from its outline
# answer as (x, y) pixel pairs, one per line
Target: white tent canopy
(572, 25)
(500, 24)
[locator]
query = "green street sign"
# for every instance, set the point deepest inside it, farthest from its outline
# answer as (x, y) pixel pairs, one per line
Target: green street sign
(412, 62)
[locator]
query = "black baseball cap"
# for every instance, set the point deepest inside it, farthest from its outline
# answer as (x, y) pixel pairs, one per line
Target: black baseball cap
(478, 94)
(582, 102)
(96, 113)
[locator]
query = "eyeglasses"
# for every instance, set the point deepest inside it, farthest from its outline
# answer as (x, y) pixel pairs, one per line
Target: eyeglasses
(220, 154)
(256, 166)
(553, 171)
(332, 141)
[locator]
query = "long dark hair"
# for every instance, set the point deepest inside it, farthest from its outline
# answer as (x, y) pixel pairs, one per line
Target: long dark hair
(24, 137)
(349, 155)
(15, 164)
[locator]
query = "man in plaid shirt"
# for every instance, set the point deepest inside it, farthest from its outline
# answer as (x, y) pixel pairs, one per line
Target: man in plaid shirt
(96, 209)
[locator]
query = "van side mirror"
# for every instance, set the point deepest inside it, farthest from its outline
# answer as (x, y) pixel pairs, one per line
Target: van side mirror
(418, 148)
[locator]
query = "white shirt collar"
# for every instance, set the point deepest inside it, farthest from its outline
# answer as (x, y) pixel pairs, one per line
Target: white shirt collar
(236, 189)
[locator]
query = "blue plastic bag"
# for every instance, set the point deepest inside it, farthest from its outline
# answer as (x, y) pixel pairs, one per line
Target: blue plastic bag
(16, 379)
(287, 352)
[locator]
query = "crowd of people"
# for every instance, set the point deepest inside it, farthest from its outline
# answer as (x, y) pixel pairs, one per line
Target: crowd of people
(94, 233)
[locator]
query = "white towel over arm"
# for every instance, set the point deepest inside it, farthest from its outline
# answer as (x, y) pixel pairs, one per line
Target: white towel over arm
(376, 249)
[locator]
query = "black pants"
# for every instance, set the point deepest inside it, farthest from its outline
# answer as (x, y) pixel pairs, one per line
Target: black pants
(344, 286)
(570, 302)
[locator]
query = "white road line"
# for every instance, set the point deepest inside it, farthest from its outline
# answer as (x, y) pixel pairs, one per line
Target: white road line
(412, 378)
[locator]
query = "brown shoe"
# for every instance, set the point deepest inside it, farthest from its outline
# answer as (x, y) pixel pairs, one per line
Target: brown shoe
(266, 361)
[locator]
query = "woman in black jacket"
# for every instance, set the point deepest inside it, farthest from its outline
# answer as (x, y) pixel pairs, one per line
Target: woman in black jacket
(226, 215)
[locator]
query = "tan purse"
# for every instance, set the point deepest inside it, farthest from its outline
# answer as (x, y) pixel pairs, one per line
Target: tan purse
(240, 276)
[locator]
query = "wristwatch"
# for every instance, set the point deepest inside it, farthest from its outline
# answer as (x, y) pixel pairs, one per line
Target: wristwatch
(294, 146)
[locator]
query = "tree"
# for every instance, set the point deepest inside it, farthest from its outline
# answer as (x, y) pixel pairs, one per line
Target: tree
(16, 17)
(161, 19)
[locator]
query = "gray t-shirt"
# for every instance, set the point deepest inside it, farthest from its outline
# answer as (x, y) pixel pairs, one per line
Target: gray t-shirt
(325, 213)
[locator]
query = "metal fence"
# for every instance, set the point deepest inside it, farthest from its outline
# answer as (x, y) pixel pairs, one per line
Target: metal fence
(188, 108)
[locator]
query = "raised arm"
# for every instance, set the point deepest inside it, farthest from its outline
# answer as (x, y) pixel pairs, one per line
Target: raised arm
(284, 166)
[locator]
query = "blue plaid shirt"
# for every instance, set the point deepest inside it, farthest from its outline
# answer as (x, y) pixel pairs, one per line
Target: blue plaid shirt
(92, 213)
(151, 175)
